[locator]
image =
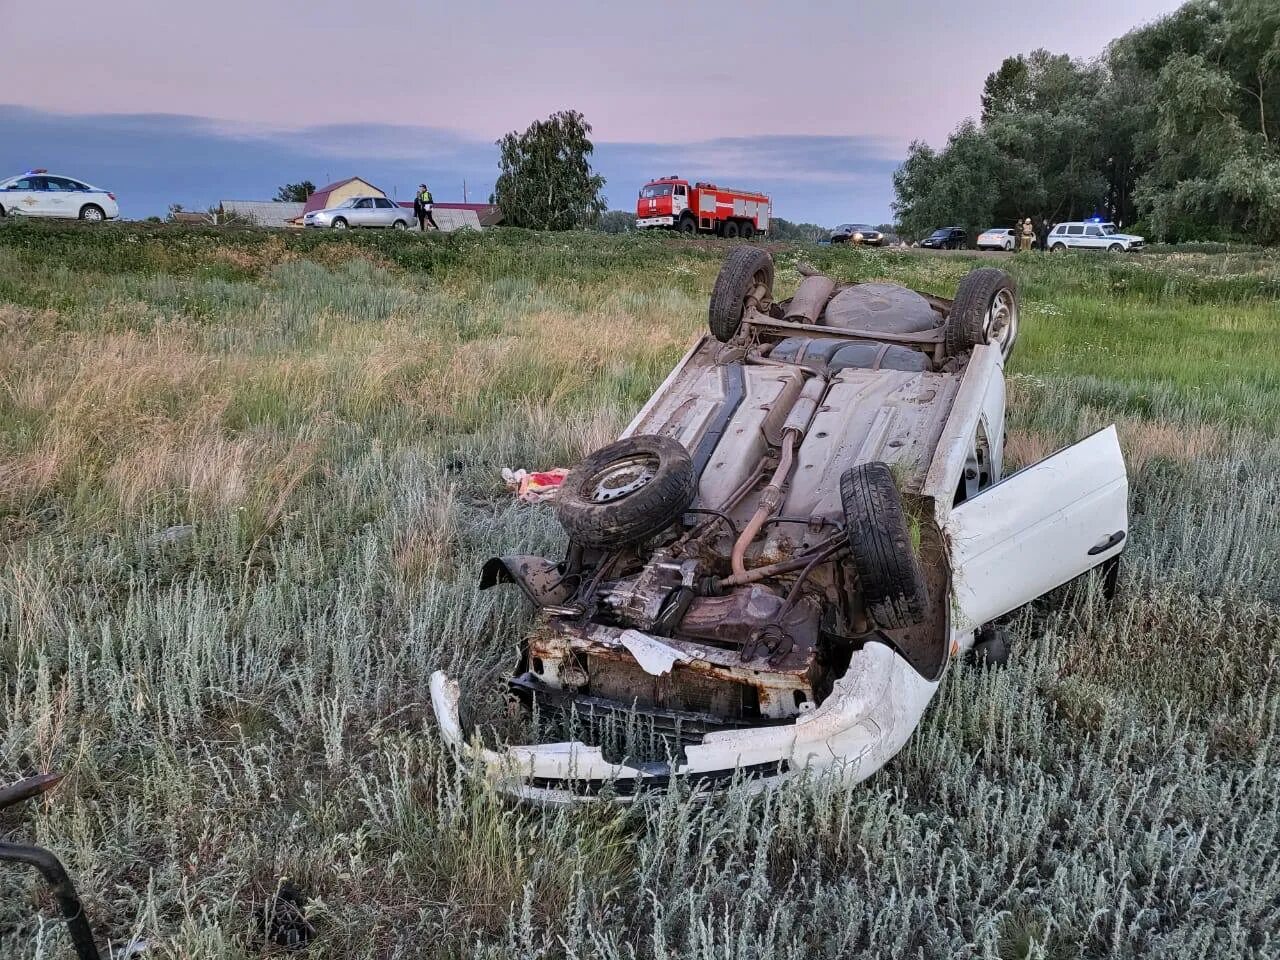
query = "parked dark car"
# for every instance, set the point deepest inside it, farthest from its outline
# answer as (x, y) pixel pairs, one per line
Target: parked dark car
(862, 233)
(947, 238)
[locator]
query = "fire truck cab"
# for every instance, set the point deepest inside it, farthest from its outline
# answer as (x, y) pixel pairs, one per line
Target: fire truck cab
(673, 203)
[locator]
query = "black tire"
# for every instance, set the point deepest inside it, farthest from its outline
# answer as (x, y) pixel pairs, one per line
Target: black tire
(746, 230)
(744, 269)
(1116, 248)
(729, 230)
(893, 585)
(687, 224)
(991, 647)
(626, 492)
(1058, 248)
(400, 225)
(91, 211)
(338, 224)
(985, 310)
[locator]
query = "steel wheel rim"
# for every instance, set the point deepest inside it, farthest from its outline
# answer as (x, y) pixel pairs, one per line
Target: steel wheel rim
(92, 215)
(1001, 322)
(622, 478)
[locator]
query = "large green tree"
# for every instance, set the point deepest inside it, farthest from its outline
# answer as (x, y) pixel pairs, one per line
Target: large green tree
(546, 181)
(1177, 123)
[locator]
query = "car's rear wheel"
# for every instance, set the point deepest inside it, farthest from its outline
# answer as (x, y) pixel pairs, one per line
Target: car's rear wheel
(747, 274)
(985, 310)
(687, 224)
(626, 492)
(400, 225)
(1058, 248)
(880, 541)
(730, 229)
(93, 213)
(339, 224)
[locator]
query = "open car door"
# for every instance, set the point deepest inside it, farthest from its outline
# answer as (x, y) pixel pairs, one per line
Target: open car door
(1037, 529)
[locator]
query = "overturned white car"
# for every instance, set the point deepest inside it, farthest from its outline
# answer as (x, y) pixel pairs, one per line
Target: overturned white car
(771, 569)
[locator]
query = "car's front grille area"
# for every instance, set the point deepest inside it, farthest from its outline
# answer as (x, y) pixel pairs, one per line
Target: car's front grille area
(633, 734)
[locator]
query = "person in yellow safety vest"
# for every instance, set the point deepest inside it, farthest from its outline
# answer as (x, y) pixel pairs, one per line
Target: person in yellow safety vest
(1026, 235)
(422, 208)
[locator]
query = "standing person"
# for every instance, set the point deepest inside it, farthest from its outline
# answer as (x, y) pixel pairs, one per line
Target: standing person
(422, 208)
(1042, 233)
(1024, 237)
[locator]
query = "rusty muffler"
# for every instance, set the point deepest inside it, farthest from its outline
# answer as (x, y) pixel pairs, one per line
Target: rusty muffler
(810, 299)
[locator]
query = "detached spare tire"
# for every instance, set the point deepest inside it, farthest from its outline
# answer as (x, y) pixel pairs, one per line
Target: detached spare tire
(893, 585)
(626, 492)
(743, 271)
(985, 310)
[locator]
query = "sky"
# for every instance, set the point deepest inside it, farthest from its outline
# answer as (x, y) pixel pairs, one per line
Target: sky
(811, 101)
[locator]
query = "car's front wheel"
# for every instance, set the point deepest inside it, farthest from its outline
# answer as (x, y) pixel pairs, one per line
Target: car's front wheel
(92, 213)
(338, 224)
(400, 225)
(880, 542)
(1116, 248)
(687, 224)
(626, 492)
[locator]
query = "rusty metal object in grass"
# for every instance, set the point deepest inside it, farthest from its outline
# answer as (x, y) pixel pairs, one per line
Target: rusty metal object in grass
(49, 866)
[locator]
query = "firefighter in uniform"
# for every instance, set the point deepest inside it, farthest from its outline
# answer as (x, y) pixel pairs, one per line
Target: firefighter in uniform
(1027, 233)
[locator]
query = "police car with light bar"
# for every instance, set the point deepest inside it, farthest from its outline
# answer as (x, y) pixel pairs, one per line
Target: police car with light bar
(37, 193)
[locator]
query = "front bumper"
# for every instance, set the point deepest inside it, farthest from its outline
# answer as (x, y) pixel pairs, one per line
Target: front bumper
(643, 223)
(869, 715)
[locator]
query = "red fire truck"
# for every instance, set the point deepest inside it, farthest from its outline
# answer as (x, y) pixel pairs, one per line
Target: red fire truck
(676, 204)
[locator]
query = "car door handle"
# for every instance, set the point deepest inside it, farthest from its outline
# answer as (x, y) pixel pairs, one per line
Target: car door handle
(1102, 546)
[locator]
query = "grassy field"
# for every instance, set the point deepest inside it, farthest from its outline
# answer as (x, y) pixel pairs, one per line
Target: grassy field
(246, 482)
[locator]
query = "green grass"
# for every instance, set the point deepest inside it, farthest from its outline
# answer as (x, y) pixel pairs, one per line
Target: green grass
(247, 480)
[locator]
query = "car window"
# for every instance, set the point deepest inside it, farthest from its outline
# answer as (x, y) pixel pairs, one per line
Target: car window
(364, 204)
(1076, 230)
(1093, 231)
(1108, 229)
(25, 183)
(383, 203)
(60, 183)
(349, 202)
(680, 190)
(1057, 231)
(652, 190)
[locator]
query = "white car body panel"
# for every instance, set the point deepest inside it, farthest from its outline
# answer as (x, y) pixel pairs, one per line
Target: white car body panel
(1038, 528)
(859, 727)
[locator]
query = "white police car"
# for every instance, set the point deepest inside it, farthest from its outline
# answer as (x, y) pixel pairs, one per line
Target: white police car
(37, 193)
(1091, 235)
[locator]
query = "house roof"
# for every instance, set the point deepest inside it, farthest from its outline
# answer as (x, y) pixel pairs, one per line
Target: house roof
(265, 213)
(487, 213)
(320, 199)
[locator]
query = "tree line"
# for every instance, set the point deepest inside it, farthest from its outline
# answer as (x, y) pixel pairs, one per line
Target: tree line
(1174, 131)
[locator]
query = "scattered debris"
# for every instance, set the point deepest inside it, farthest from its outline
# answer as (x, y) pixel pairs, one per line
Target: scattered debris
(284, 918)
(534, 487)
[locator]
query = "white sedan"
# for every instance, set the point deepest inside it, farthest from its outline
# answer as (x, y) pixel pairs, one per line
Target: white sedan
(771, 570)
(997, 239)
(361, 212)
(40, 194)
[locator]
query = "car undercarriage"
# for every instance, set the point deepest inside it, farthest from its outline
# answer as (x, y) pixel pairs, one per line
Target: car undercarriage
(760, 571)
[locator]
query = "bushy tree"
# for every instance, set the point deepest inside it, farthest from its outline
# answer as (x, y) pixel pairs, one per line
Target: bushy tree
(295, 192)
(1178, 123)
(616, 221)
(546, 181)
(780, 229)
